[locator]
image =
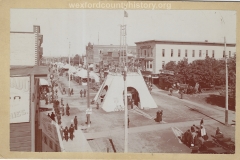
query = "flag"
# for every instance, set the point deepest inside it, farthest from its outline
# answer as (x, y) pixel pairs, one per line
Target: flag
(125, 14)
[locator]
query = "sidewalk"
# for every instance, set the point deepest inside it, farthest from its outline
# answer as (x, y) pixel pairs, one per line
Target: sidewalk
(79, 142)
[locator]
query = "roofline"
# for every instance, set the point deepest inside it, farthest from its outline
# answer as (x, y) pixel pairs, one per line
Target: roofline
(187, 43)
(21, 32)
(110, 46)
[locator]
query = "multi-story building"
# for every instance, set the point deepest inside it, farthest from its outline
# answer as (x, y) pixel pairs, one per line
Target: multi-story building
(25, 47)
(101, 55)
(154, 54)
(25, 55)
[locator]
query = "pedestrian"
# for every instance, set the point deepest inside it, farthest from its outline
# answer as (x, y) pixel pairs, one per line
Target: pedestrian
(64, 90)
(61, 131)
(53, 116)
(67, 110)
(81, 92)
(75, 123)
(171, 91)
(160, 115)
(61, 101)
(63, 112)
(46, 100)
(65, 131)
(84, 92)
(49, 115)
(72, 91)
(59, 119)
(132, 104)
(128, 121)
(218, 131)
(201, 122)
(71, 130)
(97, 105)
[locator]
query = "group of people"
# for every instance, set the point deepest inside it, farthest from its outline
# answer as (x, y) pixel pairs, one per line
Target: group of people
(192, 136)
(83, 93)
(186, 89)
(68, 132)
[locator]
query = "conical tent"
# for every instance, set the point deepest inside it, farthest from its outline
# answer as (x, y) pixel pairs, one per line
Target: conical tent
(114, 88)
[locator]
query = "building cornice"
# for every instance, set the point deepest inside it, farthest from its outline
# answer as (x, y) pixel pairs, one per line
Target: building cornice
(186, 43)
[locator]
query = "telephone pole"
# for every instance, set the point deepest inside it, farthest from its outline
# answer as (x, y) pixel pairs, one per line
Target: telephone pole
(226, 105)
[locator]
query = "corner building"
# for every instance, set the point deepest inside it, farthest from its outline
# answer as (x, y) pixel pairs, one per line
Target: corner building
(155, 54)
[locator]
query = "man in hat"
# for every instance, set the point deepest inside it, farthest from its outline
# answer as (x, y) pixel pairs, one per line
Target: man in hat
(53, 116)
(75, 123)
(65, 131)
(84, 92)
(81, 92)
(71, 130)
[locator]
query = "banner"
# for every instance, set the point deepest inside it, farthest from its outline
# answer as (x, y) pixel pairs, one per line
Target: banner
(19, 99)
(49, 127)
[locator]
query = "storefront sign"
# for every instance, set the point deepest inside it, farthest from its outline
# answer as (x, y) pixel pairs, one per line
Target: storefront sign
(19, 99)
(154, 76)
(167, 72)
(145, 47)
(49, 127)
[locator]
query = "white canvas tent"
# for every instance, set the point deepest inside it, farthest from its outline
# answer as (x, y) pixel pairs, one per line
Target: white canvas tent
(114, 87)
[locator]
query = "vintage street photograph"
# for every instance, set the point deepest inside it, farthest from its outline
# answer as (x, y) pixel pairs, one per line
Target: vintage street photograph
(122, 81)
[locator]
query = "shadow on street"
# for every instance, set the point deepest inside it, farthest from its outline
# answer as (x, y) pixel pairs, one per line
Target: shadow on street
(220, 101)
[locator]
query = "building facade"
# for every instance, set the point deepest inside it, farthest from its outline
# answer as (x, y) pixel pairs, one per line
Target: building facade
(25, 47)
(154, 54)
(25, 55)
(101, 55)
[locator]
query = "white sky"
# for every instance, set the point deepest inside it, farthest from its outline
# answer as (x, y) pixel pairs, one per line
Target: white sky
(78, 26)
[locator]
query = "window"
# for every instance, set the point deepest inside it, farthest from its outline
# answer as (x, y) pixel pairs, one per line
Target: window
(193, 53)
(213, 53)
(163, 52)
(179, 53)
(223, 54)
(163, 64)
(171, 52)
(206, 53)
(145, 53)
(50, 144)
(151, 52)
(200, 53)
(185, 53)
(150, 65)
(229, 53)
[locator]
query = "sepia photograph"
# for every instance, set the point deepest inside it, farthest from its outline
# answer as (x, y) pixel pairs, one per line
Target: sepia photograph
(122, 80)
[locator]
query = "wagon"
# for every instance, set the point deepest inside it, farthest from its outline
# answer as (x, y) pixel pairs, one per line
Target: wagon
(226, 143)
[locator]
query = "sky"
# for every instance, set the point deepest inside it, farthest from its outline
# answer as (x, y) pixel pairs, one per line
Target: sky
(78, 27)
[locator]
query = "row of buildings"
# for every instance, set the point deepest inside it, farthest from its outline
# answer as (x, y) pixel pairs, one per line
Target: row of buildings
(153, 55)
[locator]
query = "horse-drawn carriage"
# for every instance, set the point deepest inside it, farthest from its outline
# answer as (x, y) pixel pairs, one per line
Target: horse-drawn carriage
(224, 142)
